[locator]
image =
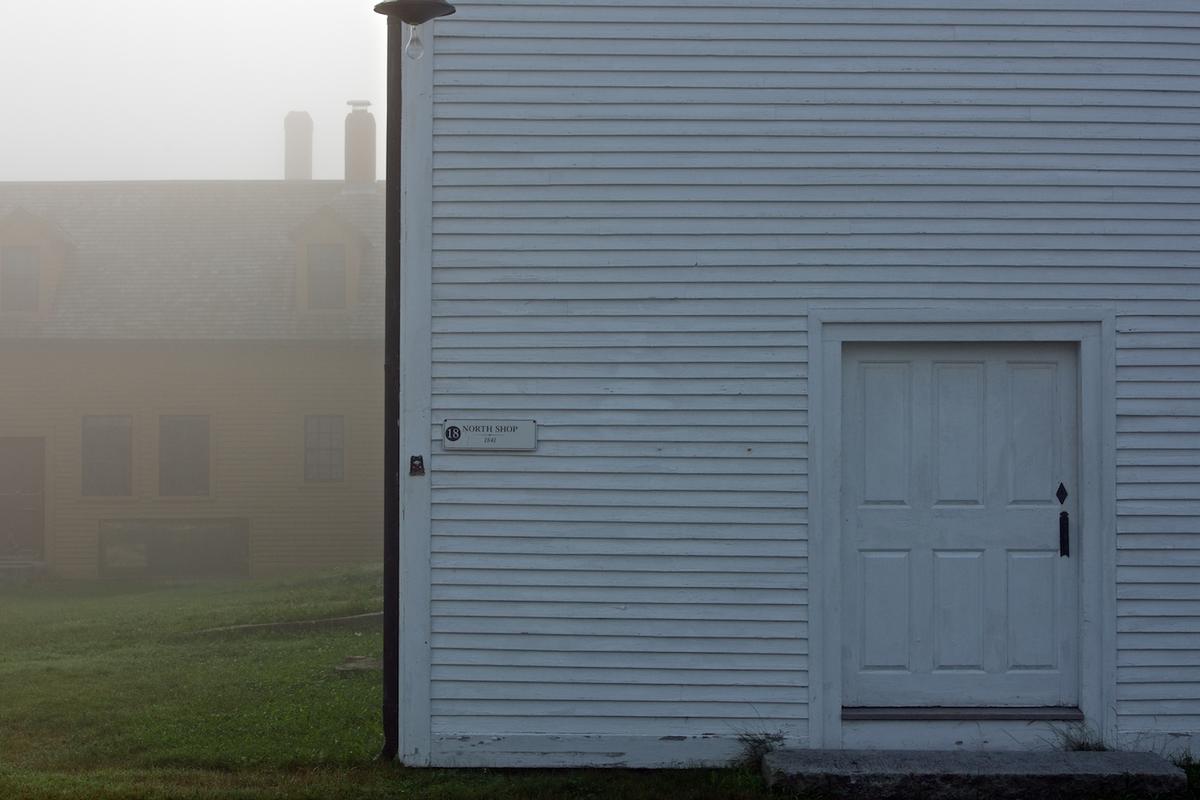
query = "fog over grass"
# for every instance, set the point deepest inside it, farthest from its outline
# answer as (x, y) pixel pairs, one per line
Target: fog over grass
(165, 89)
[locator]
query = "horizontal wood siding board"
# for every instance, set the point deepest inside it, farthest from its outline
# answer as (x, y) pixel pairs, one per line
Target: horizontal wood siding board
(666, 578)
(622, 674)
(882, 24)
(649, 545)
(626, 239)
(855, 144)
(1056, 12)
(825, 259)
(614, 609)
(725, 720)
(504, 9)
(733, 663)
(1168, 660)
(604, 282)
(793, 598)
(602, 708)
(544, 643)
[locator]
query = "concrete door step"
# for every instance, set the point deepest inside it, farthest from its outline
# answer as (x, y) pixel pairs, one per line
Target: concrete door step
(935, 775)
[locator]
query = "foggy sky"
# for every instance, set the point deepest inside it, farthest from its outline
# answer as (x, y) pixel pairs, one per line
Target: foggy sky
(168, 89)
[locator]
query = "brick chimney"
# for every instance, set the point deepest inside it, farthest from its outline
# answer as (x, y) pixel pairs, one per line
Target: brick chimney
(297, 146)
(360, 145)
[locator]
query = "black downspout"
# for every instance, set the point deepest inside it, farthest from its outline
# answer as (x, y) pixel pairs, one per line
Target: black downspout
(391, 401)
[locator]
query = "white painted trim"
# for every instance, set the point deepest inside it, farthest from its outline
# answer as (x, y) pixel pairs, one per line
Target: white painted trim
(416, 359)
(581, 750)
(1092, 328)
(824, 718)
(1106, 626)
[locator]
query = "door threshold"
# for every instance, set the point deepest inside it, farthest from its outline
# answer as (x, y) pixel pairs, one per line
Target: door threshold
(962, 713)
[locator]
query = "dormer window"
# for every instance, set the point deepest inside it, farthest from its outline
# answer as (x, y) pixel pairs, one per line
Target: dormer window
(20, 279)
(329, 259)
(327, 276)
(33, 252)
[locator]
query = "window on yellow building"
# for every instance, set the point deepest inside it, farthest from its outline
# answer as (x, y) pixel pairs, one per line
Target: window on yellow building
(107, 456)
(327, 277)
(183, 455)
(324, 447)
(20, 278)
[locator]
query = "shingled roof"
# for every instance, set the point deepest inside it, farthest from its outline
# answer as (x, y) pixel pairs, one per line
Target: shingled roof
(194, 260)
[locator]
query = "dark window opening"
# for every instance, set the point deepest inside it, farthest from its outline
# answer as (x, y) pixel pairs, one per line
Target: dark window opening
(107, 456)
(324, 448)
(326, 276)
(22, 498)
(183, 456)
(20, 279)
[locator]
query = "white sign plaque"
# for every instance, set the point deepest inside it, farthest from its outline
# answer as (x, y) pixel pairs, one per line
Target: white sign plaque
(489, 434)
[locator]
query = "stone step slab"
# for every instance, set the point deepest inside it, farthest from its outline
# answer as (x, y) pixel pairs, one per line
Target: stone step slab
(961, 775)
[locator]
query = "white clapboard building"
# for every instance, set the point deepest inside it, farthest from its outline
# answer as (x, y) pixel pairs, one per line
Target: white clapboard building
(848, 353)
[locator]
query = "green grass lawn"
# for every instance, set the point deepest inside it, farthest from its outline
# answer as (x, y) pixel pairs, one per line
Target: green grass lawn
(107, 692)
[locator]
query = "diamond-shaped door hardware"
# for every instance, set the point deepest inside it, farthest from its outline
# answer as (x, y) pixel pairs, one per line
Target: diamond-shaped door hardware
(1061, 494)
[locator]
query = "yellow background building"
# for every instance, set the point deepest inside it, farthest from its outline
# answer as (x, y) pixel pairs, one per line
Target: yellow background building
(192, 376)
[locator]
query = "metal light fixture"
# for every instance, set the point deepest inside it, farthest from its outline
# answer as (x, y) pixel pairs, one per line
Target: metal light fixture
(415, 13)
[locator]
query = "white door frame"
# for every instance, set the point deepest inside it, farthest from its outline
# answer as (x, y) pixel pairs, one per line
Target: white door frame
(1092, 329)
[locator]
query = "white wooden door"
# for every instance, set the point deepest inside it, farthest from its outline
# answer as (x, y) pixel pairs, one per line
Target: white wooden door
(954, 589)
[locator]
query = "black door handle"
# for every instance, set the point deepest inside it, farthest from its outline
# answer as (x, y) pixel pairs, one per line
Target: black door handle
(1064, 534)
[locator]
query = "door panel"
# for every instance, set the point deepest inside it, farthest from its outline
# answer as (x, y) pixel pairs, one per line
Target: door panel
(887, 445)
(958, 440)
(958, 608)
(22, 498)
(885, 625)
(954, 593)
(1031, 592)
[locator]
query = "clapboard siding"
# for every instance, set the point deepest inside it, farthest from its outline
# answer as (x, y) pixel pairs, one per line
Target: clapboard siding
(633, 205)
